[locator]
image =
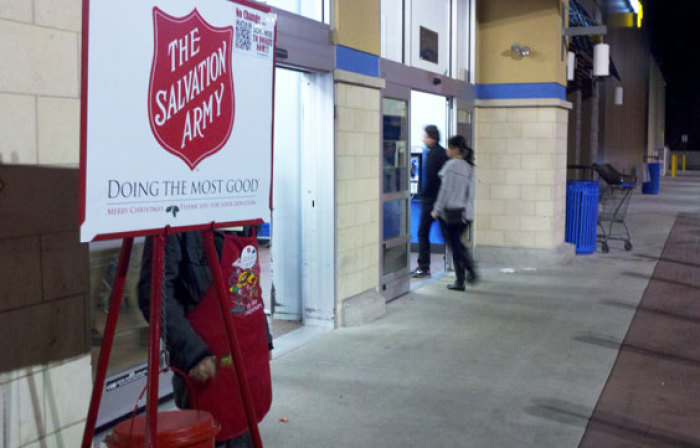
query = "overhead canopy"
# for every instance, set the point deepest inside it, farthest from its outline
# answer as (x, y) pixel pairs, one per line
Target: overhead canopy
(619, 6)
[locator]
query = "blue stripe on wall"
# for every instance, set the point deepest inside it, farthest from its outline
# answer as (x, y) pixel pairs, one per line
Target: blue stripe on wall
(515, 91)
(356, 61)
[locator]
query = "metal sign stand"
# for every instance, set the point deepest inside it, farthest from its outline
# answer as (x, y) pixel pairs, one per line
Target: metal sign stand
(154, 337)
(107, 340)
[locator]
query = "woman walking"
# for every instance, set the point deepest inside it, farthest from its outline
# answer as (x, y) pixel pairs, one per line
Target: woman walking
(455, 207)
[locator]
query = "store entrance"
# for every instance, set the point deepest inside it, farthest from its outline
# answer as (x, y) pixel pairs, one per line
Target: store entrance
(405, 115)
(426, 109)
(281, 241)
(290, 244)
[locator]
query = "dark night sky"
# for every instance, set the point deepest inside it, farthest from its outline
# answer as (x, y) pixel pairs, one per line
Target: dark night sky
(674, 31)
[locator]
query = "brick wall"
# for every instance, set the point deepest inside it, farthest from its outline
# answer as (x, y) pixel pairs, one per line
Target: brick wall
(521, 167)
(41, 406)
(40, 81)
(46, 378)
(357, 190)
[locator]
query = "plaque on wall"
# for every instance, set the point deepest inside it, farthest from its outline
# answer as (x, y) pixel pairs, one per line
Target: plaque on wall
(428, 45)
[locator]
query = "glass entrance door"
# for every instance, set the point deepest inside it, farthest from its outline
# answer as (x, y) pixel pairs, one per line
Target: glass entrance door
(396, 195)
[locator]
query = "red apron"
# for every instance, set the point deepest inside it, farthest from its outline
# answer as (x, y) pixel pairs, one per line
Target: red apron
(220, 395)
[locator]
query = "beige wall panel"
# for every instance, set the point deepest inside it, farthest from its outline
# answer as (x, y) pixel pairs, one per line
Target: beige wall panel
(18, 129)
(535, 23)
(16, 10)
(43, 61)
(59, 131)
(63, 14)
(357, 24)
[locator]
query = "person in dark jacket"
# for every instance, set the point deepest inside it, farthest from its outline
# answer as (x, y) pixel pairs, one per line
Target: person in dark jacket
(437, 156)
(186, 281)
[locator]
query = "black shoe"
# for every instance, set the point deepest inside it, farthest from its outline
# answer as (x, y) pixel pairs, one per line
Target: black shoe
(456, 286)
(473, 279)
(420, 273)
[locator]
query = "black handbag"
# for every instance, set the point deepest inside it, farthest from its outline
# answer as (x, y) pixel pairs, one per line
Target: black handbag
(453, 216)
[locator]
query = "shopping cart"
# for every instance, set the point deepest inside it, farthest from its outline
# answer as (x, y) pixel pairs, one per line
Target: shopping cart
(615, 195)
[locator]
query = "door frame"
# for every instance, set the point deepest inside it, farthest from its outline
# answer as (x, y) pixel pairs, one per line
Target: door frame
(398, 283)
(306, 45)
(318, 200)
(400, 81)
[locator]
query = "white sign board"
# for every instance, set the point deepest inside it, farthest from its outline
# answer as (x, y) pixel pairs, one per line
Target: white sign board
(177, 115)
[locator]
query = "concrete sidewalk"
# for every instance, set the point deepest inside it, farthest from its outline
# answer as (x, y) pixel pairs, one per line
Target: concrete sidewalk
(519, 361)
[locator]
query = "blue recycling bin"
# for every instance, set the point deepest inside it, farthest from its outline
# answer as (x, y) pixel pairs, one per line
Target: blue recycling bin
(654, 184)
(264, 231)
(582, 215)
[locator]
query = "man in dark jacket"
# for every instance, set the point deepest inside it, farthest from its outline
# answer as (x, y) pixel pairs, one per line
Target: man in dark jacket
(437, 156)
(186, 280)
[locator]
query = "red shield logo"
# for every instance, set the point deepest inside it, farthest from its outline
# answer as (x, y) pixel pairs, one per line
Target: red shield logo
(191, 97)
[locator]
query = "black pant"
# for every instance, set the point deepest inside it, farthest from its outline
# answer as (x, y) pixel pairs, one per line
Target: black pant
(463, 261)
(426, 222)
(242, 441)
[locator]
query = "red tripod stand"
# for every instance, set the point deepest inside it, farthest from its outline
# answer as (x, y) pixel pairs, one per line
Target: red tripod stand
(158, 249)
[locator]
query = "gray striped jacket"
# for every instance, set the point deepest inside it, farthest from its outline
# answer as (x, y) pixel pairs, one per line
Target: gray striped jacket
(457, 189)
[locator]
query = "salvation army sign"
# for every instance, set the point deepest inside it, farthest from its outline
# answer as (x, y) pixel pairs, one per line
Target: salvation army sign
(191, 98)
(177, 115)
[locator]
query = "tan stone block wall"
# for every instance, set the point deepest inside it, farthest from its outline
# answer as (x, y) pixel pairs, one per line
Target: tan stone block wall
(357, 189)
(46, 405)
(40, 81)
(58, 136)
(521, 170)
(44, 285)
(18, 129)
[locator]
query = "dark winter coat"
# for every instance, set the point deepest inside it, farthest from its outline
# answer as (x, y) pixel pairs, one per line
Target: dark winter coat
(437, 156)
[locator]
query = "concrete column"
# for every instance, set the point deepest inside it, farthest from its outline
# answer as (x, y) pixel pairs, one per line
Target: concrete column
(595, 123)
(577, 124)
(521, 155)
(358, 105)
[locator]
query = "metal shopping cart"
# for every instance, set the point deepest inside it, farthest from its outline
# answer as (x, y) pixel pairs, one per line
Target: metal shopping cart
(615, 195)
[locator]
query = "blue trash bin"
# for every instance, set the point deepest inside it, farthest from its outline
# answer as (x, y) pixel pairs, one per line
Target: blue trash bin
(654, 184)
(582, 215)
(264, 231)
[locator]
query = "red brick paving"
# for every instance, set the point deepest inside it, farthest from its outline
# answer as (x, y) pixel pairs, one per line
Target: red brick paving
(652, 397)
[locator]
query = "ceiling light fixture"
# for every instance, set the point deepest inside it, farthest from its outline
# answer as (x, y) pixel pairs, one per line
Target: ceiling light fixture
(601, 60)
(636, 5)
(523, 51)
(571, 66)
